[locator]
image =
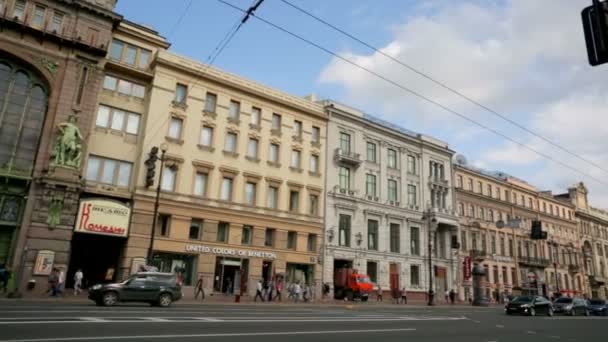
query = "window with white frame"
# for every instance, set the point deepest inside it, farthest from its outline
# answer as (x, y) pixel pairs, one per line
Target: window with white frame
(411, 194)
(210, 102)
(392, 158)
(234, 111)
(370, 184)
(169, 178)
(200, 183)
(118, 120)
(273, 156)
(276, 122)
(314, 163)
(230, 142)
(273, 195)
(344, 178)
(295, 159)
(206, 136)
(250, 193)
(175, 128)
(392, 190)
(411, 166)
(252, 148)
(316, 134)
(181, 93)
(109, 171)
(297, 128)
(256, 114)
(226, 191)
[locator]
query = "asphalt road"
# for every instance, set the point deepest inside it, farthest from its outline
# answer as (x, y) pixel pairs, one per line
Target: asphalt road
(57, 321)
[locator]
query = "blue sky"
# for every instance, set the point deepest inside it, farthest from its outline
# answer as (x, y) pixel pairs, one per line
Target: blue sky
(525, 59)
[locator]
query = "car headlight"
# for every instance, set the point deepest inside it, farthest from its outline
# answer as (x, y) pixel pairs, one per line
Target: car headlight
(524, 306)
(96, 287)
(568, 307)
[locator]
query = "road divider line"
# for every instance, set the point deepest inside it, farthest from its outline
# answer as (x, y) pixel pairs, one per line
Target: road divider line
(148, 337)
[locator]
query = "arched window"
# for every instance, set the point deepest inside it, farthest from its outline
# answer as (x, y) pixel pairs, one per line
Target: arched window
(23, 103)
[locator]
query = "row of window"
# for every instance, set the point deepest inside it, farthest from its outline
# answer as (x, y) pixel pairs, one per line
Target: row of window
(594, 229)
(371, 186)
(124, 87)
(223, 232)
(40, 16)
(118, 120)
(495, 192)
(129, 54)
(372, 272)
(371, 155)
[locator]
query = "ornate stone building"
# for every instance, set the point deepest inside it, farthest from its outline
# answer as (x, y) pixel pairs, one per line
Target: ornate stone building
(51, 68)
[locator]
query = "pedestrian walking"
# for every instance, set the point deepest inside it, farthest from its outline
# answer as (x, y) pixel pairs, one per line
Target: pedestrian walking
(78, 282)
(297, 290)
(258, 291)
(53, 280)
(5, 275)
(279, 290)
(199, 289)
(403, 296)
(379, 294)
(447, 296)
(270, 291)
(61, 281)
(452, 296)
(228, 290)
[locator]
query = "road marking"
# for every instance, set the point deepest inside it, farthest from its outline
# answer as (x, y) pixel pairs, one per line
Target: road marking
(93, 319)
(155, 319)
(146, 337)
(476, 321)
(500, 326)
(531, 332)
(208, 319)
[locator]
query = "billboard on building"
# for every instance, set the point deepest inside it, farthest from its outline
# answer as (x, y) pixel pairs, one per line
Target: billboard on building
(104, 217)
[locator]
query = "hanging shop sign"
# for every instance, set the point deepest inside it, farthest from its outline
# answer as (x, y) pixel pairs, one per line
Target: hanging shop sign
(466, 264)
(245, 253)
(104, 217)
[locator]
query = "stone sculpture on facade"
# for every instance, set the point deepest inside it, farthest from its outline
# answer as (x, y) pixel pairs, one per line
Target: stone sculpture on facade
(68, 147)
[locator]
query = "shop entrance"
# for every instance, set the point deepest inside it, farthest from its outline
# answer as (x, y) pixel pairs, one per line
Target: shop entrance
(226, 270)
(97, 256)
(300, 273)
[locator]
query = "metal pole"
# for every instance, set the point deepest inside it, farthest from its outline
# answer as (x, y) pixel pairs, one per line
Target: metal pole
(555, 266)
(156, 204)
(429, 221)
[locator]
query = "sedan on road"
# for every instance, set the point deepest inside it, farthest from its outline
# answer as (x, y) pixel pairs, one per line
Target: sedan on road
(529, 305)
(159, 289)
(571, 306)
(598, 307)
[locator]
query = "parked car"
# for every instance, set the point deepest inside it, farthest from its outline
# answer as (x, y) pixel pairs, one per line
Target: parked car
(571, 306)
(598, 307)
(159, 289)
(529, 305)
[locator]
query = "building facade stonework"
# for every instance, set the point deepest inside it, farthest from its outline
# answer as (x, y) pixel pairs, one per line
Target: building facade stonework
(380, 179)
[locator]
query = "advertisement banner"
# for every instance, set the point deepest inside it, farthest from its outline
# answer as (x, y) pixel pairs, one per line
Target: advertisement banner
(466, 265)
(104, 217)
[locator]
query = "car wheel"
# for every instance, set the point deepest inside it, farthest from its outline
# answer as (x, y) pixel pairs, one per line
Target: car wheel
(164, 300)
(350, 296)
(532, 312)
(110, 298)
(550, 312)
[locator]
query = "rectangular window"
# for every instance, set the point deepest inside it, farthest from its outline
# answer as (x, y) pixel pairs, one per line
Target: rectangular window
(392, 158)
(344, 178)
(222, 232)
(316, 134)
(415, 240)
(344, 231)
(292, 238)
(226, 194)
(507, 195)
(523, 201)
(489, 191)
(169, 176)
(295, 159)
(57, 22)
(273, 193)
(116, 50)
(181, 91)
(38, 19)
(297, 128)
(110, 83)
(311, 244)
(132, 123)
(372, 235)
(314, 163)
(19, 10)
(459, 183)
(118, 120)
(103, 116)
(294, 199)
(371, 152)
(395, 235)
(411, 166)
(138, 90)
(252, 148)
(414, 275)
(274, 153)
(530, 205)
(93, 167)
(234, 111)
(144, 57)
(175, 128)
(411, 194)
(470, 184)
(480, 187)
(195, 229)
(130, 55)
(164, 222)
(124, 174)
(345, 142)
(370, 185)
(276, 122)
(200, 184)
(206, 136)
(230, 143)
(246, 235)
(109, 171)
(392, 190)
(256, 114)
(250, 193)
(313, 205)
(269, 237)
(210, 103)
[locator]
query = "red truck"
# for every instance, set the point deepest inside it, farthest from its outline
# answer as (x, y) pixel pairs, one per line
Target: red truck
(351, 285)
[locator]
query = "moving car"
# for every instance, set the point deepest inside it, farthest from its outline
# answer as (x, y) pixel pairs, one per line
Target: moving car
(571, 306)
(529, 305)
(598, 307)
(159, 289)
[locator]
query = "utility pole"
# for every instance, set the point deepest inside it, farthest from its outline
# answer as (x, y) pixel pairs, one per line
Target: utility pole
(431, 220)
(163, 148)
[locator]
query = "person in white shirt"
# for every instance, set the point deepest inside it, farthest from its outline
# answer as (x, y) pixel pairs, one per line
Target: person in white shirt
(61, 281)
(258, 291)
(78, 282)
(296, 292)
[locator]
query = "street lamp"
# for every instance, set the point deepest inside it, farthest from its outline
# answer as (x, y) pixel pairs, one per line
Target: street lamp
(163, 149)
(430, 217)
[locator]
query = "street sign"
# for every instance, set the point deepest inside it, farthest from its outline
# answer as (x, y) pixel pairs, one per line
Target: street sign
(595, 28)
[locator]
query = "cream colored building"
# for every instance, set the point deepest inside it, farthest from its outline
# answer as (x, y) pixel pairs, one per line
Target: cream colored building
(512, 260)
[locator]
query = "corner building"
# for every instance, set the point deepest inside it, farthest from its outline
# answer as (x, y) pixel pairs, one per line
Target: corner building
(380, 179)
(242, 185)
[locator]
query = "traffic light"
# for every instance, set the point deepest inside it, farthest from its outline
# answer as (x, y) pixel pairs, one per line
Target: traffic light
(151, 166)
(595, 18)
(537, 231)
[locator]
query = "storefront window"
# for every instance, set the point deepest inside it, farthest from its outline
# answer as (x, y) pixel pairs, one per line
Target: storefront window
(228, 273)
(300, 273)
(180, 264)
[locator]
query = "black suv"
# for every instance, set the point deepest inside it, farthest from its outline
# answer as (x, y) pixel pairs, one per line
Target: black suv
(160, 289)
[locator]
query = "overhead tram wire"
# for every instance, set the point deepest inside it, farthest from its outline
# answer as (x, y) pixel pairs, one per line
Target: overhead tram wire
(221, 45)
(445, 86)
(181, 17)
(413, 92)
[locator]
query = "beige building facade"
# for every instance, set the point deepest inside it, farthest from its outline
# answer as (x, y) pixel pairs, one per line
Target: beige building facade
(496, 213)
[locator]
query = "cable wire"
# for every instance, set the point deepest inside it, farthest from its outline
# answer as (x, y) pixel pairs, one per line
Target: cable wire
(419, 95)
(445, 86)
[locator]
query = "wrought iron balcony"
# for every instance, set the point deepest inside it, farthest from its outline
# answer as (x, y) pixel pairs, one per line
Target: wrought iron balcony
(574, 268)
(534, 262)
(347, 157)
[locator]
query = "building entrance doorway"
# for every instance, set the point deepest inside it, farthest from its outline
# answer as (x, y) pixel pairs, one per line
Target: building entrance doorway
(226, 270)
(97, 256)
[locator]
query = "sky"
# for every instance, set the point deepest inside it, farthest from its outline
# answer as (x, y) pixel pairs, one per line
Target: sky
(525, 60)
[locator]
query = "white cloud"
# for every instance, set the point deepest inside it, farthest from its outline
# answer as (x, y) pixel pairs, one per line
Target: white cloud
(525, 59)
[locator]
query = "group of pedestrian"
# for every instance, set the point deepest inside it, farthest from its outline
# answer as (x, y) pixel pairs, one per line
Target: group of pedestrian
(56, 282)
(273, 291)
(450, 296)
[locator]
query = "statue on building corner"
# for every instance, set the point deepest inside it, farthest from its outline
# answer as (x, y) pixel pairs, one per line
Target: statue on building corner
(68, 147)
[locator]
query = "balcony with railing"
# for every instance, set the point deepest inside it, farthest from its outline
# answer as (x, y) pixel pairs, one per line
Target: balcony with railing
(478, 254)
(574, 268)
(347, 157)
(534, 262)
